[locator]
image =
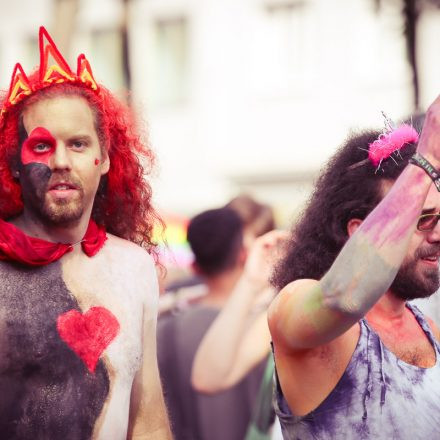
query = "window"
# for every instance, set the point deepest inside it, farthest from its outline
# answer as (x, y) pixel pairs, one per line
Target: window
(106, 58)
(170, 60)
(32, 54)
(283, 50)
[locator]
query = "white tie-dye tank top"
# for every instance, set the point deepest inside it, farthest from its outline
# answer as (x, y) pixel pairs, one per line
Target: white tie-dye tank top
(379, 396)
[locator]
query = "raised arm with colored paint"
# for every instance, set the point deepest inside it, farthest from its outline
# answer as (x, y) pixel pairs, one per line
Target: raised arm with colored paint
(344, 334)
(369, 261)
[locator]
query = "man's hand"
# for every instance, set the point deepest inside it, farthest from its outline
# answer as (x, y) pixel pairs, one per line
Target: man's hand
(263, 254)
(238, 340)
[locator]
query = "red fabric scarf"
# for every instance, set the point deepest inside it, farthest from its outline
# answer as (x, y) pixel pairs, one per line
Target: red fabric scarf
(15, 245)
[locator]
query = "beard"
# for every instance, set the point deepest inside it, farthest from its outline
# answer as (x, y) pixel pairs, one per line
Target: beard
(412, 283)
(35, 181)
(62, 212)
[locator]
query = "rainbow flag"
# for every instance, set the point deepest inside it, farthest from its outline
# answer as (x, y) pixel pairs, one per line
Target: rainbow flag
(173, 247)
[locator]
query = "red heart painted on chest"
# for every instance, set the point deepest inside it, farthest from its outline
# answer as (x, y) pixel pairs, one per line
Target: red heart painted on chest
(88, 334)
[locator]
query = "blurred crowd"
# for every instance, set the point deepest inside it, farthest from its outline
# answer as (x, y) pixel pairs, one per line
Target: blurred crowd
(213, 338)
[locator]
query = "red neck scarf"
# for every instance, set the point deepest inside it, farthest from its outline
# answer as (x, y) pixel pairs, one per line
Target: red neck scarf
(15, 245)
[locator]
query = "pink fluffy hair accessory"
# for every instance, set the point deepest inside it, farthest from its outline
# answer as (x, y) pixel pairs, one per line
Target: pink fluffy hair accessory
(390, 142)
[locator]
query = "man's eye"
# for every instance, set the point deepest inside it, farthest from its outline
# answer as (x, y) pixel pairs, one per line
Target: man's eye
(79, 145)
(41, 148)
(426, 221)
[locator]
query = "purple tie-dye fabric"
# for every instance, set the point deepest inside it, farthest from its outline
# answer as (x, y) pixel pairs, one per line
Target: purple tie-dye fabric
(378, 397)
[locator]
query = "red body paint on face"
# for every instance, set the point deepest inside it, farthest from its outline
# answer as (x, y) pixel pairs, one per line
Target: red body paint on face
(96, 161)
(88, 335)
(38, 147)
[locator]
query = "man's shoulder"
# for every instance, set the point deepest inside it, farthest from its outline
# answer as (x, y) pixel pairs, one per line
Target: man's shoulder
(424, 310)
(299, 285)
(119, 243)
(121, 250)
(292, 290)
(175, 301)
(195, 318)
(128, 264)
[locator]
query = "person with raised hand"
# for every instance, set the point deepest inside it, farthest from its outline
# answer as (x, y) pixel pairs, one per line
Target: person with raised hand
(354, 359)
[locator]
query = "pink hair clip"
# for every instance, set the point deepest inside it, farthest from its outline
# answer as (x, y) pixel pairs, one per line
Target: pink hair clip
(390, 142)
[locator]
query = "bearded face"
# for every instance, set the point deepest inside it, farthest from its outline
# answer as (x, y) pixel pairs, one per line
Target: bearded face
(418, 277)
(61, 162)
(38, 186)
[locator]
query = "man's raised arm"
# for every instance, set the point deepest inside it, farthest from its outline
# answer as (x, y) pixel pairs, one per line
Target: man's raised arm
(310, 313)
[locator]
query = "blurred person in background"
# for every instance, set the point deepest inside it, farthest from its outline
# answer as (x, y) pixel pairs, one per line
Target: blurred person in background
(238, 341)
(78, 291)
(239, 338)
(216, 239)
(354, 359)
(257, 219)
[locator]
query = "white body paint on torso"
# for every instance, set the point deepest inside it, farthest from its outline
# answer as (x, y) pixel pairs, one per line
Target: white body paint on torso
(121, 278)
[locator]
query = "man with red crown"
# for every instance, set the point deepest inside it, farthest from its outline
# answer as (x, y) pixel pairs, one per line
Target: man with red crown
(78, 291)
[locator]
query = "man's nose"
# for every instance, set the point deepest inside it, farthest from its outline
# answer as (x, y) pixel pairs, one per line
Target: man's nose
(61, 157)
(434, 234)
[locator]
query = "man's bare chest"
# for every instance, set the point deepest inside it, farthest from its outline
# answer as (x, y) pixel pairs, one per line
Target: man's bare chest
(46, 307)
(412, 347)
(42, 375)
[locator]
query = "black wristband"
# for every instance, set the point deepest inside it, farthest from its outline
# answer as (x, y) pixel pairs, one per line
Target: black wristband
(419, 160)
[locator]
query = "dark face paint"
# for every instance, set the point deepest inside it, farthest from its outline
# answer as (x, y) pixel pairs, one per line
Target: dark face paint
(35, 172)
(46, 389)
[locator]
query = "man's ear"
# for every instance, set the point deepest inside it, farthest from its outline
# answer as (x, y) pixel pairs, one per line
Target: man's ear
(352, 225)
(105, 163)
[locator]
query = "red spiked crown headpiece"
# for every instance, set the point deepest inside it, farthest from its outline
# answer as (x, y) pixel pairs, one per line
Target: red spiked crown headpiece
(53, 70)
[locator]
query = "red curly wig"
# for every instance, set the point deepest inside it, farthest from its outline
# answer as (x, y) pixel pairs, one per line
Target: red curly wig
(123, 201)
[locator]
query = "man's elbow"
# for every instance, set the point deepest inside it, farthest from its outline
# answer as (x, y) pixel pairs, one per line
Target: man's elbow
(203, 382)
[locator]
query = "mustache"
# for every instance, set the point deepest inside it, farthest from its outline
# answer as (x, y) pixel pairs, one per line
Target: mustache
(428, 251)
(63, 177)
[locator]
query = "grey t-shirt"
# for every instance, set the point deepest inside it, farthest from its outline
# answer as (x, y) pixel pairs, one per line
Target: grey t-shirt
(197, 416)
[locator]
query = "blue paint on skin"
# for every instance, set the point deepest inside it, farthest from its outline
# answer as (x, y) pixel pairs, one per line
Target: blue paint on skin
(379, 396)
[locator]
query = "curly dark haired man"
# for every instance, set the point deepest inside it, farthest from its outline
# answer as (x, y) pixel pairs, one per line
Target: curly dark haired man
(354, 360)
